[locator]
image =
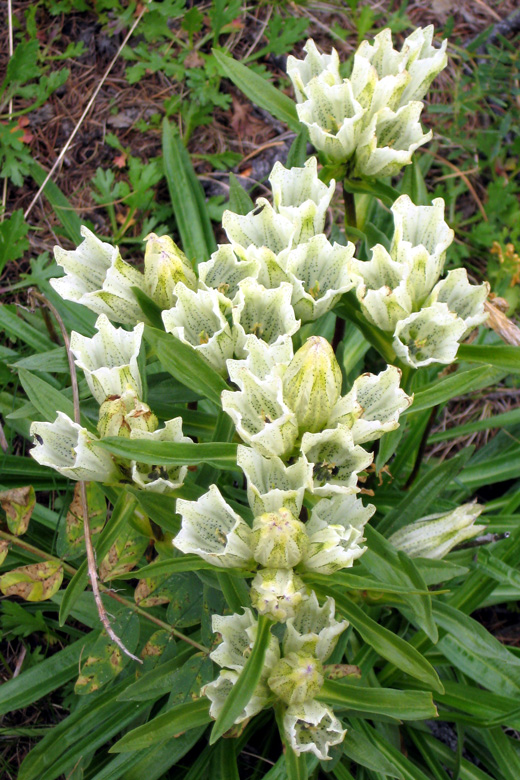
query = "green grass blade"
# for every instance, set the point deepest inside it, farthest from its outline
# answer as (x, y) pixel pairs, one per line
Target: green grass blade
(404, 705)
(164, 726)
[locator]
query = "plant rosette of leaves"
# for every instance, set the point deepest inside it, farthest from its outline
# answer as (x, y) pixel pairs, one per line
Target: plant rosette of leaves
(235, 443)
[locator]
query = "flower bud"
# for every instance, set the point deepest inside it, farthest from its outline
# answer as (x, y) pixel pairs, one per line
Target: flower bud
(434, 536)
(296, 678)
(279, 540)
(164, 266)
(312, 384)
(121, 414)
(277, 593)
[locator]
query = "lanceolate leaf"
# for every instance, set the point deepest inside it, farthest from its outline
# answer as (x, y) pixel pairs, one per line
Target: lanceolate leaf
(164, 453)
(106, 660)
(168, 724)
(36, 582)
(245, 685)
(405, 705)
(258, 90)
(18, 505)
(500, 356)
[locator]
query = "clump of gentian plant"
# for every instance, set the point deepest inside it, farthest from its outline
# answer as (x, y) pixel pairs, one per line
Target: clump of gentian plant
(228, 431)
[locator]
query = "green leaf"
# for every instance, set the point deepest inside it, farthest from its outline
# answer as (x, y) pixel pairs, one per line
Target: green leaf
(13, 241)
(177, 720)
(244, 687)
(159, 680)
(122, 512)
(396, 568)
(150, 309)
(222, 455)
(258, 90)
(424, 492)
(183, 362)
(185, 605)
(406, 705)
(49, 401)
(360, 749)
(71, 538)
(42, 361)
(501, 356)
(378, 189)
(239, 200)
(106, 660)
(187, 197)
(17, 328)
(298, 151)
(496, 421)
(408, 770)
(453, 386)
(62, 207)
(476, 652)
(385, 642)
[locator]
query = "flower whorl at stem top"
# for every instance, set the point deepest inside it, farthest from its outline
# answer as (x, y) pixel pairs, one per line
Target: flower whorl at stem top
(370, 120)
(399, 291)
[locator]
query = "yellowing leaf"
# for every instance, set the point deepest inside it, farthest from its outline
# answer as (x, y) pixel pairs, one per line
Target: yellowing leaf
(37, 582)
(124, 554)
(106, 660)
(4, 549)
(71, 541)
(18, 505)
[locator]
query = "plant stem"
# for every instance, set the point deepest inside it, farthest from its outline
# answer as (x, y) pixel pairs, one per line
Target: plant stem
(106, 591)
(349, 199)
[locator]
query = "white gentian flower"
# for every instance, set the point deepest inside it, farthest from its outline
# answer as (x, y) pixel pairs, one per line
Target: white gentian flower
(212, 530)
(313, 629)
(238, 634)
(160, 479)
(431, 335)
(264, 360)
(301, 72)
(271, 484)
(99, 279)
(119, 415)
(71, 450)
(465, 299)
(333, 116)
(312, 727)
(198, 319)
(267, 314)
(277, 593)
(109, 358)
(434, 536)
(269, 266)
(319, 275)
(389, 141)
(373, 405)
(164, 266)
(297, 677)
(279, 539)
(259, 413)
(218, 691)
(423, 62)
(331, 548)
(299, 195)
(345, 510)
(261, 227)
(312, 384)
(225, 269)
(336, 460)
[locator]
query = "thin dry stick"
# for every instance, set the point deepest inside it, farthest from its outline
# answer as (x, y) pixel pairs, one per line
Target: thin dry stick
(10, 109)
(85, 112)
(91, 560)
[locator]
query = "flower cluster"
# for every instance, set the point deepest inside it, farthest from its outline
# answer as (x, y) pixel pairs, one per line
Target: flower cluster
(109, 363)
(400, 292)
(292, 674)
(369, 121)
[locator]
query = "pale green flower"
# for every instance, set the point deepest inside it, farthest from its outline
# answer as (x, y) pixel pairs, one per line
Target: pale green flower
(109, 358)
(261, 227)
(299, 195)
(264, 360)
(160, 479)
(99, 279)
(434, 536)
(389, 141)
(277, 593)
(267, 314)
(319, 274)
(271, 484)
(313, 629)
(336, 460)
(71, 450)
(312, 384)
(238, 634)
(164, 266)
(465, 299)
(198, 319)
(331, 548)
(218, 692)
(297, 677)
(261, 417)
(214, 531)
(225, 269)
(431, 335)
(119, 415)
(279, 539)
(373, 405)
(301, 72)
(312, 727)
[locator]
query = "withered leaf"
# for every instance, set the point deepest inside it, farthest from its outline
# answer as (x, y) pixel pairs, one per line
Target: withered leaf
(106, 660)
(36, 582)
(71, 540)
(18, 505)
